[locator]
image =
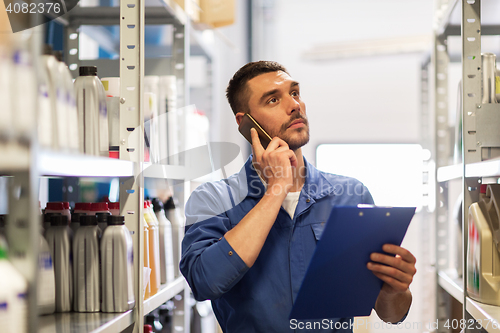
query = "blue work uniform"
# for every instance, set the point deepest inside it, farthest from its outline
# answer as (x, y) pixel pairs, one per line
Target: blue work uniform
(260, 298)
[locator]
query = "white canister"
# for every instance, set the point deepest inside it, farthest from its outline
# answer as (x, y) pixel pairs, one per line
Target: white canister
(59, 238)
(117, 267)
(86, 265)
(92, 113)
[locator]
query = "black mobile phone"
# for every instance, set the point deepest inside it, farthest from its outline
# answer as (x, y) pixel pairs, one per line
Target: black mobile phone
(247, 122)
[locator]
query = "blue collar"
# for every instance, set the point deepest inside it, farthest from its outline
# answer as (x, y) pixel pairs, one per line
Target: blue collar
(316, 185)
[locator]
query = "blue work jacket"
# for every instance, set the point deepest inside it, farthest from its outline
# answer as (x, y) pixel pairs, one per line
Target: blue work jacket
(260, 298)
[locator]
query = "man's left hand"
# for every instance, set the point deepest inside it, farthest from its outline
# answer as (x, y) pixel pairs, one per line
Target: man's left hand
(396, 271)
(396, 268)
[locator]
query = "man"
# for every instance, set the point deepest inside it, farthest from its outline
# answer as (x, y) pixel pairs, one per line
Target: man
(250, 237)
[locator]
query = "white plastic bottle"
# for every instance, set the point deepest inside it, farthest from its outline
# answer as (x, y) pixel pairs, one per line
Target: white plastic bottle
(169, 140)
(44, 117)
(166, 255)
(92, 113)
(174, 215)
(24, 93)
(86, 265)
(13, 301)
(6, 111)
(112, 89)
(117, 267)
(70, 106)
(58, 97)
(46, 285)
(154, 248)
(59, 238)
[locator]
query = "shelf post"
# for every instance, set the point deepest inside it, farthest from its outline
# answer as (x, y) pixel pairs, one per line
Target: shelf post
(132, 136)
(442, 153)
(471, 101)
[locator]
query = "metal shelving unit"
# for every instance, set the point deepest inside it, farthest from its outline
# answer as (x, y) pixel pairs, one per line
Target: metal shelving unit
(461, 18)
(25, 163)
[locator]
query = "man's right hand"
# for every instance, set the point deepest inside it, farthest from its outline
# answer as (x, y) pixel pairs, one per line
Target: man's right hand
(274, 163)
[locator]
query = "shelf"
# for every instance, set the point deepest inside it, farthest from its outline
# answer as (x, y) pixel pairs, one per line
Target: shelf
(165, 293)
(487, 315)
(452, 285)
(449, 172)
(489, 168)
(79, 322)
(161, 171)
(77, 165)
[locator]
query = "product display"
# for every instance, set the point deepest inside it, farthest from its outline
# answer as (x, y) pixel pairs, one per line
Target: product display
(117, 261)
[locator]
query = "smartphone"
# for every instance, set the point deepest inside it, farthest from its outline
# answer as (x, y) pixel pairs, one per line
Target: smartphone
(247, 122)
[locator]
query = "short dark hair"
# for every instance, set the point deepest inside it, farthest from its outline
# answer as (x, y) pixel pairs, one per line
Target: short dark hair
(237, 93)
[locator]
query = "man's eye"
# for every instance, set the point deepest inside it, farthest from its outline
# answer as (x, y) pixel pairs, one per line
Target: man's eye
(272, 100)
(295, 93)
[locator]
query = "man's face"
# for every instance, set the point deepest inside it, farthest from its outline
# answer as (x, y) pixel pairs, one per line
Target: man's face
(276, 104)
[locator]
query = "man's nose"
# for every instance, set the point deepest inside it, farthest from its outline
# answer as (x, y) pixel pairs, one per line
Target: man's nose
(293, 105)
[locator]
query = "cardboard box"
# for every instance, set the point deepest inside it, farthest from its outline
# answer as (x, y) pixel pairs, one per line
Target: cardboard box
(191, 7)
(217, 13)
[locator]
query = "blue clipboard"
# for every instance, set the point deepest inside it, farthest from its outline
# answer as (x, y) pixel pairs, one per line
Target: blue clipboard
(337, 283)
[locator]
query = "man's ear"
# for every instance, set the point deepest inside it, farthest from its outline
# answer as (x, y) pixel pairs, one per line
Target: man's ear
(238, 117)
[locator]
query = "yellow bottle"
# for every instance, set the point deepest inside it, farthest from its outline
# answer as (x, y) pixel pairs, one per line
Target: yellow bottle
(154, 249)
(483, 260)
(147, 288)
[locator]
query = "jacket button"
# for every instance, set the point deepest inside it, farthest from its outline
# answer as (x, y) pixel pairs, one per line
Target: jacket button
(230, 253)
(308, 200)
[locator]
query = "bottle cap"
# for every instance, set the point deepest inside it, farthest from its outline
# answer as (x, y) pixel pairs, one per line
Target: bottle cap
(145, 204)
(65, 204)
(148, 329)
(114, 205)
(55, 206)
(157, 205)
(75, 217)
(88, 71)
(82, 206)
(99, 206)
(88, 220)
(102, 217)
(116, 220)
(482, 189)
(58, 220)
(170, 204)
(47, 216)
